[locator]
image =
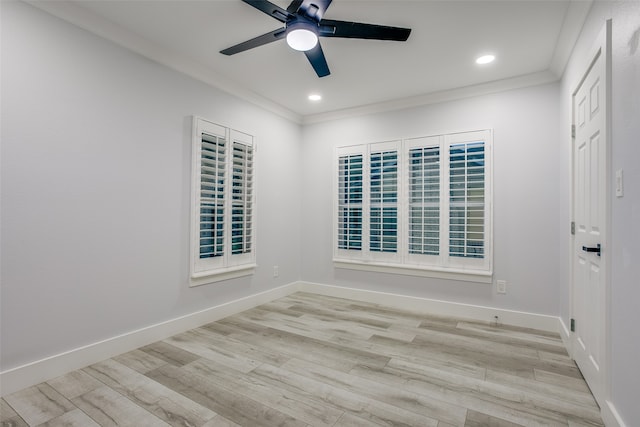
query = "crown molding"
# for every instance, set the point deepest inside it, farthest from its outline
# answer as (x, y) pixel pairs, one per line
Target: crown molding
(83, 18)
(572, 25)
(527, 80)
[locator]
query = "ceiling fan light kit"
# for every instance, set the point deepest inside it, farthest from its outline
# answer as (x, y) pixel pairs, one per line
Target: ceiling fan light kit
(301, 38)
(304, 25)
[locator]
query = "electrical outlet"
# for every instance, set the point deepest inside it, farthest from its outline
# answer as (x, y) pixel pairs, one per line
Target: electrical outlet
(276, 273)
(501, 286)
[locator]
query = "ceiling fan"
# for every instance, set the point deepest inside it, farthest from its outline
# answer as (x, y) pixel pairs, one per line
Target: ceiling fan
(304, 24)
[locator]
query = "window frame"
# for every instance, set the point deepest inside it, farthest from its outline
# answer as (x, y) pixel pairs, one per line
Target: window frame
(227, 265)
(442, 265)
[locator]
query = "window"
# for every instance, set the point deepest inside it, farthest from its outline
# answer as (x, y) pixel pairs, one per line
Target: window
(383, 206)
(223, 197)
(418, 206)
(350, 172)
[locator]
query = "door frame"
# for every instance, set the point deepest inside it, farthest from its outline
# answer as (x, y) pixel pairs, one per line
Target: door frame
(602, 48)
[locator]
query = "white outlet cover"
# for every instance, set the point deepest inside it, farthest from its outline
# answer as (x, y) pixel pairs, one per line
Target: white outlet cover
(501, 286)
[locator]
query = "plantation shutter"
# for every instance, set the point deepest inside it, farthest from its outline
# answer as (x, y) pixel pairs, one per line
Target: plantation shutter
(383, 216)
(350, 194)
(382, 194)
(212, 185)
(468, 216)
(419, 206)
(223, 197)
(242, 198)
(424, 188)
(424, 201)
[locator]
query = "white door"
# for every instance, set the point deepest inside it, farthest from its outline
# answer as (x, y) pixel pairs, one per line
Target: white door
(589, 288)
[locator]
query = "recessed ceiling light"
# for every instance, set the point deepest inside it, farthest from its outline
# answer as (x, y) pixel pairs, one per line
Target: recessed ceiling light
(315, 97)
(485, 59)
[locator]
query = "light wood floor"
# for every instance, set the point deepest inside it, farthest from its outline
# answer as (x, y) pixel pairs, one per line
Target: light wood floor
(310, 360)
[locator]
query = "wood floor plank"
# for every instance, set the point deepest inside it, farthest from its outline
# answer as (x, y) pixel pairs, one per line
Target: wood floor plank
(584, 398)
(350, 420)
(428, 356)
(498, 400)
(375, 411)
(308, 410)
(74, 418)
(314, 350)
(9, 417)
(254, 352)
(16, 421)
(462, 341)
(487, 355)
(109, 408)
(74, 384)
(432, 408)
(501, 332)
(140, 361)
(39, 404)
(166, 404)
(478, 419)
(349, 326)
(220, 421)
(231, 405)
(499, 335)
(353, 317)
(292, 326)
(367, 311)
(242, 327)
(6, 411)
(568, 383)
(314, 360)
(170, 354)
(192, 342)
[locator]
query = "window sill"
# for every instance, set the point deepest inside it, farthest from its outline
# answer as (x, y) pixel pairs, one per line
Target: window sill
(219, 275)
(416, 270)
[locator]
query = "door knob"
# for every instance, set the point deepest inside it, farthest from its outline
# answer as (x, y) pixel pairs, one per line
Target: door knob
(595, 249)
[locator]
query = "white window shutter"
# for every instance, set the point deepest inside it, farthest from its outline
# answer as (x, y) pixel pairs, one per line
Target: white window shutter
(212, 188)
(384, 210)
(424, 200)
(349, 209)
(415, 206)
(223, 201)
(241, 199)
(468, 190)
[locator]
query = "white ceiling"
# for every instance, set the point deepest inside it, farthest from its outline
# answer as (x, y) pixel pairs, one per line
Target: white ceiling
(528, 37)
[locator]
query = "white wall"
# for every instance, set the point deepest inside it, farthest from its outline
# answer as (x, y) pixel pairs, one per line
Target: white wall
(95, 171)
(624, 333)
(526, 193)
(96, 189)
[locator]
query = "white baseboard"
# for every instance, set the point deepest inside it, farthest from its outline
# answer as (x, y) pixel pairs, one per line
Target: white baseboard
(610, 415)
(565, 334)
(51, 367)
(437, 307)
